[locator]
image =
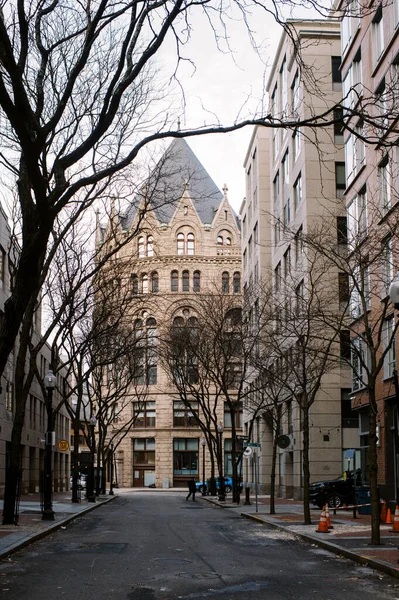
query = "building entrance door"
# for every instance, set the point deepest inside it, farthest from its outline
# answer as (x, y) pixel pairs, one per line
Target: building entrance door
(143, 477)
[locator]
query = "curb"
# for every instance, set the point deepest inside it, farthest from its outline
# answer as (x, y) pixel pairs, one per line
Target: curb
(378, 565)
(34, 537)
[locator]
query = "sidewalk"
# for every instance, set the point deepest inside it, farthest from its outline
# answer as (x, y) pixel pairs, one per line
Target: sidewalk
(31, 527)
(349, 537)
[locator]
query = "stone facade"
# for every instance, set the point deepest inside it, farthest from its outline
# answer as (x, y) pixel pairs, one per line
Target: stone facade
(187, 243)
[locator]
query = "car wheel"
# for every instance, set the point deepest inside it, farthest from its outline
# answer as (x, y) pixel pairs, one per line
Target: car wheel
(227, 489)
(202, 488)
(334, 501)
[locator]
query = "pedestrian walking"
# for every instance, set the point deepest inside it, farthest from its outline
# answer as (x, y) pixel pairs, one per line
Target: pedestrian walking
(191, 489)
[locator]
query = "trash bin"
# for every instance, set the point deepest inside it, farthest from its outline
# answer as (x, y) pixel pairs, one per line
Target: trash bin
(363, 497)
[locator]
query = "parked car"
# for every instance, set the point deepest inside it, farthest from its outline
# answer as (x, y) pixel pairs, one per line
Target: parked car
(335, 492)
(228, 485)
(81, 482)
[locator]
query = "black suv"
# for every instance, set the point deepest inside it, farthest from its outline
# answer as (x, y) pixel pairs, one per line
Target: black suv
(335, 492)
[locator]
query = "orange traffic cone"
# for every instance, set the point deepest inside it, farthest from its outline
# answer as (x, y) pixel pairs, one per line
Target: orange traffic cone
(395, 527)
(388, 520)
(323, 527)
(383, 514)
(329, 526)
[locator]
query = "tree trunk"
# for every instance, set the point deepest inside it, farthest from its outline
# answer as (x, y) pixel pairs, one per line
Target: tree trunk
(372, 469)
(13, 470)
(272, 509)
(75, 461)
(306, 469)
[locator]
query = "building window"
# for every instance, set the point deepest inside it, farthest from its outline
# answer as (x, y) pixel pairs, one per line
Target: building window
(196, 281)
(150, 246)
(141, 247)
(174, 281)
(225, 282)
(146, 351)
(277, 277)
(180, 243)
(236, 409)
(299, 247)
(297, 192)
(144, 414)
(389, 347)
(185, 281)
(154, 282)
(285, 167)
(378, 34)
(295, 96)
(384, 185)
(237, 282)
(338, 126)
(387, 266)
(349, 418)
(357, 218)
(287, 263)
(300, 298)
(135, 284)
(336, 73)
(342, 231)
(9, 396)
(296, 143)
(144, 283)
(287, 213)
(340, 181)
(2, 269)
(190, 244)
(359, 363)
(276, 195)
(184, 416)
(361, 292)
(144, 451)
(185, 456)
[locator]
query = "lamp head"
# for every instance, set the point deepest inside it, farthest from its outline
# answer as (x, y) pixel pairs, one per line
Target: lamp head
(203, 442)
(220, 428)
(49, 380)
(93, 420)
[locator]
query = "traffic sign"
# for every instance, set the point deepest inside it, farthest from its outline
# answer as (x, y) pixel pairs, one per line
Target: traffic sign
(253, 445)
(63, 445)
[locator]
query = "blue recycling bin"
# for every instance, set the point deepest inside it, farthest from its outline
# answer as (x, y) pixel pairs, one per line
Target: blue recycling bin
(363, 497)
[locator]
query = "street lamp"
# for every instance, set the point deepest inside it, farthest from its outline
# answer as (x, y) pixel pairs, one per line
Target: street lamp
(203, 443)
(222, 496)
(91, 497)
(48, 513)
(111, 484)
(394, 297)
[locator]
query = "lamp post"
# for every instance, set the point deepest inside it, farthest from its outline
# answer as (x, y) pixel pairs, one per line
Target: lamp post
(222, 496)
(111, 474)
(203, 443)
(394, 297)
(48, 513)
(91, 497)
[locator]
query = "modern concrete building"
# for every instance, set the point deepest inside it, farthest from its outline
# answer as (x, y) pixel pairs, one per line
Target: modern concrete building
(33, 435)
(299, 177)
(188, 243)
(370, 58)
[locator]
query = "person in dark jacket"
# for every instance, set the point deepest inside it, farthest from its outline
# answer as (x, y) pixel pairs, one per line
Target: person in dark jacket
(191, 489)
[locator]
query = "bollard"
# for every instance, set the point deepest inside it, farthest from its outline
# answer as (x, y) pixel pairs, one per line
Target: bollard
(247, 502)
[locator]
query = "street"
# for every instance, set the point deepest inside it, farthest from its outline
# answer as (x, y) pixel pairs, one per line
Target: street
(154, 545)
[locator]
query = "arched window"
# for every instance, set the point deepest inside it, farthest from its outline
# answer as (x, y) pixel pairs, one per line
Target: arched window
(144, 283)
(237, 282)
(225, 282)
(174, 281)
(228, 241)
(145, 358)
(141, 247)
(185, 333)
(190, 244)
(220, 240)
(135, 284)
(180, 243)
(196, 281)
(178, 322)
(154, 282)
(150, 246)
(186, 281)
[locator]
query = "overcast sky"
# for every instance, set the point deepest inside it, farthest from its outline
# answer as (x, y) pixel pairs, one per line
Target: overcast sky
(223, 87)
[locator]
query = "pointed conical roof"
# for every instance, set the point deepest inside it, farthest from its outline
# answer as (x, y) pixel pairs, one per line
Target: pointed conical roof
(179, 170)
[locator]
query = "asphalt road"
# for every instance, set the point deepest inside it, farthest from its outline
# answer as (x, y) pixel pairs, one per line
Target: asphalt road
(157, 546)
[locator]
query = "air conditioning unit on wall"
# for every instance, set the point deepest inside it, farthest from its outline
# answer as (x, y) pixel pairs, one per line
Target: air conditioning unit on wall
(286, 442)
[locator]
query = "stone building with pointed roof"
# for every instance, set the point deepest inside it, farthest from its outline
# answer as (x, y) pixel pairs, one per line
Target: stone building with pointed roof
(187, 242)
